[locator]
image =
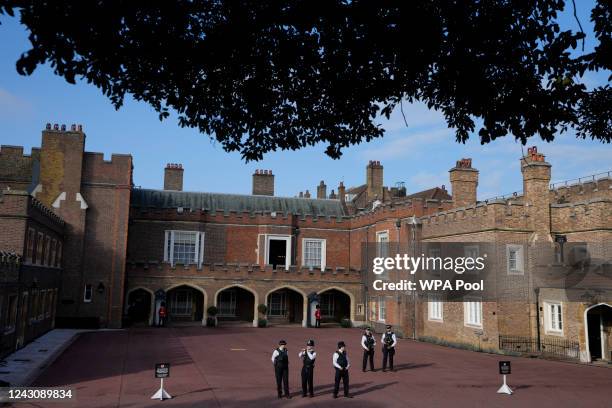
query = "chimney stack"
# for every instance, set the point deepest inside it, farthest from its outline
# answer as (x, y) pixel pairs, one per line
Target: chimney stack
(321, 190)
(307, 194)
(263, 183)
(536, 185)
(341, 192)
(374, 180)
(464, 181)
(332, 195)
(173, 177)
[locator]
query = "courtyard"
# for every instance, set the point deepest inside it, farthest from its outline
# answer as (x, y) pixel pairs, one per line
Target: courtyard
(230, 367)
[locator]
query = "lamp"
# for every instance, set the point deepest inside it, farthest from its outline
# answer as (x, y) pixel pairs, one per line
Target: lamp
(100, 288)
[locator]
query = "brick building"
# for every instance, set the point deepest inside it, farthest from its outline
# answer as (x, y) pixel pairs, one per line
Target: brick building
(127, 249)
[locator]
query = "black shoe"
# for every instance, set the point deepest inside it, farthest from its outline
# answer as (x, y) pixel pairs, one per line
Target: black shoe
(303, 395)
(348, 396)
(363, 370)
(288, 396)
(384, 370)
(311, 395)
(335, 396)
(280, 396)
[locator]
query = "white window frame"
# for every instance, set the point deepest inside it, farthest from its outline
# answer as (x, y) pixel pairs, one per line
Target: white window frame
(323, 252)
(435, 308)
(469, 305)
(287, 238)
(281, 296)
(382, 309)
(86, 288)
(229, 311)
(553, 324)
(520, 259)
(169, 246)
(379, 236)
(471, 251)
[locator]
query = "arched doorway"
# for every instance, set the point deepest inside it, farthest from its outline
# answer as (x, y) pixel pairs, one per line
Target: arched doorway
(184, 304)
(598, 320)
(235, 304)
(139, 306)
(285, 306)
(335, 306)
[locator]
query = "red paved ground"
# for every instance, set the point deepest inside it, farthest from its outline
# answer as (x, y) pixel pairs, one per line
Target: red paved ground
(112, 369)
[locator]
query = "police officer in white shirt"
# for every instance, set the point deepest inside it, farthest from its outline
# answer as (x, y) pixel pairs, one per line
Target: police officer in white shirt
(308, 356)
(280, 359)
(367, 343)
(341, 364)
(389, 342)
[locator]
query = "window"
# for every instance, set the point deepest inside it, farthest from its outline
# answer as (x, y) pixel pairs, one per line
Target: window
(40, 243)
(314, 253)
(435, 308)
(33, 305)
(30, 245)
(47, 259)
(278, 305)
(327, 305)
(88, 293)
(181, 302)
(472, 310)
(276, 250)
(53, 252)
(553, 317)
(227, 303)
(359, 309)
(382, 309)
(49, 306)
(382, 244)
(58, 257)
(42, 302)
(11, 314)
(435, 264)
(373, 310)
(473, 252)
(514, 256)
(184, 247)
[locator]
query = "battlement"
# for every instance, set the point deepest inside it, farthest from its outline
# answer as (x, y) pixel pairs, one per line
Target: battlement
(117, 170)
(484, 216)
(16, 166)
(9, 259)
(19, 203)
(588, 215)
(241, 270)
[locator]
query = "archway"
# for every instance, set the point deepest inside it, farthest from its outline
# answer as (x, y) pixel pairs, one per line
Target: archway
(184, 303)
(336, 304)
(286, 305)
(139, 306)
(236, 303)
(598, 326)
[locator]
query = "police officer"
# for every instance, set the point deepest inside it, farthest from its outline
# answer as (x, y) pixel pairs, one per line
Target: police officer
(341, 364)
(389, 341)
(367, 343)
(308, 356)
(280, 359)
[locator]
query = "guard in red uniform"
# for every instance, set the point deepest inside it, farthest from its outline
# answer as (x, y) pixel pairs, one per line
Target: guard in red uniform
(162, 314)
(318, 316)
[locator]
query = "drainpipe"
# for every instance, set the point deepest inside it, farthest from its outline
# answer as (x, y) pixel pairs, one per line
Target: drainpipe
(414, 297)
(537, 292)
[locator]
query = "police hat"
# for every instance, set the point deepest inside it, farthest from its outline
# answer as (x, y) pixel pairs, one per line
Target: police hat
(341, 344)
(368, 328)
(388, 327)
(282, 343)
(310, 343)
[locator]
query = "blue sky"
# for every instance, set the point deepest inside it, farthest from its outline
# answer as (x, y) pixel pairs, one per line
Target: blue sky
(419, 155)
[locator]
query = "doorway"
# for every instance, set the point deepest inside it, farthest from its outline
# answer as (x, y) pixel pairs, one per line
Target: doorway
(277, 255)
(599, 328)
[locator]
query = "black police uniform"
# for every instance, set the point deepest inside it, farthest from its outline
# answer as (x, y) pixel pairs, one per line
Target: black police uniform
(281, 371)
(308, 374)
(388, 350)
(343, 374)
(369, 353)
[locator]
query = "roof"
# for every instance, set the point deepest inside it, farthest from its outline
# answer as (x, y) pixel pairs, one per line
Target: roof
(435, 193)
(147, 198)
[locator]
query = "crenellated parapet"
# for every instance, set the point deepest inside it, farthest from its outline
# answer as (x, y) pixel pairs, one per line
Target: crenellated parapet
(484, 216)
(588, 215)
(240, 271)
(116, 171)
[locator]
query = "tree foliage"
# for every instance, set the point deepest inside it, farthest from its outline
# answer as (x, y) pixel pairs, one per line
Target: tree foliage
(262, 75)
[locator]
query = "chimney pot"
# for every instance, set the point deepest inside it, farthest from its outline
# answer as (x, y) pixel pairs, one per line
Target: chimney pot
(173, 177)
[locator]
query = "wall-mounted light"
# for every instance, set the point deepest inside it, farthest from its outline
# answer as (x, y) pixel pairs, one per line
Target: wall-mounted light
(100, 288)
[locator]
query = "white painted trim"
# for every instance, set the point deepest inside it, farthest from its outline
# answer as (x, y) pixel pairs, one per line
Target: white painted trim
(548, 329)
(586, 358)
(57, 203)
(36, 190)
(520, 261)
(279, 237)
(466, 311)
(323, 251)
(80, 198)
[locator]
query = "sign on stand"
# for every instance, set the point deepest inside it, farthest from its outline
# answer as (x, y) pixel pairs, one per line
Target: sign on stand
(162, 370)
(505, 369)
